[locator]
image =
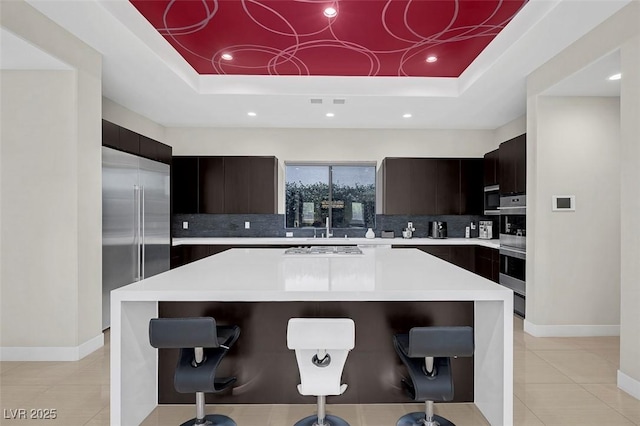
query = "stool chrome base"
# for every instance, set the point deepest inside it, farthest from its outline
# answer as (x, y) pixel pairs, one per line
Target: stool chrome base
(328, 421)
(419, 419)
(211, 420)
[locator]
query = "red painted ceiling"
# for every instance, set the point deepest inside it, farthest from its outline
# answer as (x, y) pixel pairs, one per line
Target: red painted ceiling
(293, 37)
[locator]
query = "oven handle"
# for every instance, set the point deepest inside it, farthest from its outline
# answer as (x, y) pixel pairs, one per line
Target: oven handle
(512, 252)
(512, 210)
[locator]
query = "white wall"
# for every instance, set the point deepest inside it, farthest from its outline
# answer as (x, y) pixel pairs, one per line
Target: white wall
(510, 130)
(575, 255)
(621, 31)
(329, 144)
(128, 119)
(51, 197)
(629, 375)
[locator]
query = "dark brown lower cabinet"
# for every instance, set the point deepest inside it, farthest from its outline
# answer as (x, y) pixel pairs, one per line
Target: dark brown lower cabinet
(488, 263)
(483, 261)
(181, 255)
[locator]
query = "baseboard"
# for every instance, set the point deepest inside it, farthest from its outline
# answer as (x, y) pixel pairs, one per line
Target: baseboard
(629, 385)
(70, 353)
(571, 330)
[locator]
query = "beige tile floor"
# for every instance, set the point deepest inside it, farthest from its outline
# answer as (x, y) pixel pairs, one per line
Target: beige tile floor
(557, 382)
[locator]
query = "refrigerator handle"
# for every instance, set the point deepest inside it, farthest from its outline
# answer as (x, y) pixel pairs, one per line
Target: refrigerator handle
(142, 241)
(136, 242)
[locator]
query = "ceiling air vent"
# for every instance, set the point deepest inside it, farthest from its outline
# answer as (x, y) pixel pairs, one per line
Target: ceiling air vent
(316, 100)
(339, 101)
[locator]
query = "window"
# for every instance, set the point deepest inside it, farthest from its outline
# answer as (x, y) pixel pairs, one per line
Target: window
(344, 193)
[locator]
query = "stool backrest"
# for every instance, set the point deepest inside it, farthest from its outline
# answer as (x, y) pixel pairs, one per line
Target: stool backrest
(313, 339)
(441, 342)
(196, 332)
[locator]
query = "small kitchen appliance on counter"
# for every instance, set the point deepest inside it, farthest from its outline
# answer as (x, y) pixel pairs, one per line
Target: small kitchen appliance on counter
(486, 230)
(408, 231)
(437, 229)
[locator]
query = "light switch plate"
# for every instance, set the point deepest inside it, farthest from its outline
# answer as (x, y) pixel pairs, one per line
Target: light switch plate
(185, 225)
(247, 225)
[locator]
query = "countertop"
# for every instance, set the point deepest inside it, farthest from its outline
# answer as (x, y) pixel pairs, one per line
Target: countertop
(240, 241)
(267, 274)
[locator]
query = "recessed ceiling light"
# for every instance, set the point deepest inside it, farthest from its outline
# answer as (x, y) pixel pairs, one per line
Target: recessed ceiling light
(407, 116)
(330, 114)
(616, 77)
(432, 58)
(330, 12)
(251, 114)
(226, 56)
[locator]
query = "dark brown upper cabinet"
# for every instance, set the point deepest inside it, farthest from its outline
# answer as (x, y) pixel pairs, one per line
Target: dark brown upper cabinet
(424, 185)
(210, 183)
(263, 185)
(447, 186)
(126, 140)
(471, 186)
(184, 185)
(396, 185)
(512, 166)
(432, 186)
(491, 160)
(231, 185)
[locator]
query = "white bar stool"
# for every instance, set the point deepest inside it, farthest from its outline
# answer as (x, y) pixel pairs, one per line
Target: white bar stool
(322, 346)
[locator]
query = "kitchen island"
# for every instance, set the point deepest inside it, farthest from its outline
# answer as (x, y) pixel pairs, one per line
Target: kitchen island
(268, 276)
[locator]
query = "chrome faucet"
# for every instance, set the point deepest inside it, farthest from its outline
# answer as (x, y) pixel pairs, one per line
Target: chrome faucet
(329, 234)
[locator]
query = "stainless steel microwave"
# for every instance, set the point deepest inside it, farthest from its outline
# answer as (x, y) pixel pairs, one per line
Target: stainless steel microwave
(492, 200)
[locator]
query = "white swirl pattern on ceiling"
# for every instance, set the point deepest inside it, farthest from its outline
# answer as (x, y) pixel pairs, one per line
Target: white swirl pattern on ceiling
(294, 37)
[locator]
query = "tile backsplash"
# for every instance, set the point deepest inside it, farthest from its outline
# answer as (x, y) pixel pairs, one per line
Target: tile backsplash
(272, 225)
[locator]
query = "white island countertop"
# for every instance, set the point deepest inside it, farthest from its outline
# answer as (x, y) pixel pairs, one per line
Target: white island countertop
(252, 274)
(249, 241)
(268, 275)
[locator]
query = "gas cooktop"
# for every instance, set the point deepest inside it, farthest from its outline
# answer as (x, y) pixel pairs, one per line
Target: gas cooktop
(324, 250)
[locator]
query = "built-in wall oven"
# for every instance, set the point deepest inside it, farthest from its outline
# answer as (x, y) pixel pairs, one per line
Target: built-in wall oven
(513, 248)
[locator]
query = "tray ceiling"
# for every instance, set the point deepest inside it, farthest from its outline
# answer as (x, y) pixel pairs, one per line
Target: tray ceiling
(364, 38)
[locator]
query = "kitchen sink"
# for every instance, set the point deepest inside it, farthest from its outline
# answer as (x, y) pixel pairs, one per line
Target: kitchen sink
(324, 250)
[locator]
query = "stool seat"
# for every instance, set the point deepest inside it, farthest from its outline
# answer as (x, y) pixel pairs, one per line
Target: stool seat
(427, 352)
(321, 346)
(202, 346)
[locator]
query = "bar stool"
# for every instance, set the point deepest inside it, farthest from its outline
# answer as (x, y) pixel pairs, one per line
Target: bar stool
(202, 346)
(427, 352)
(322, 346)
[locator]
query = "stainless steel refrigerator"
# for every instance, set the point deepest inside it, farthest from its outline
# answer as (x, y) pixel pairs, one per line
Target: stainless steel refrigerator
(135, 221)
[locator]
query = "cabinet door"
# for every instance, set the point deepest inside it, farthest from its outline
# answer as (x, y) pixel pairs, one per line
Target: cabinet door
(520, 155)
(491, 168)
(448, 186)
(129, 141)
(471, 186)
(263, 194)
(164, 152)
(512, 165)
(484, 262)
(464, 257)
(397, 185)
(148, 148)
(184, 185)
(441, 252)
(236, 184)
(211, 191)
(422, 186)
(506, 168)
(110, 134)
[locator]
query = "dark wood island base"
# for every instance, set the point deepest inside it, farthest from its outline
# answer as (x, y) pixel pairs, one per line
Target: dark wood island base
(267, 371)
